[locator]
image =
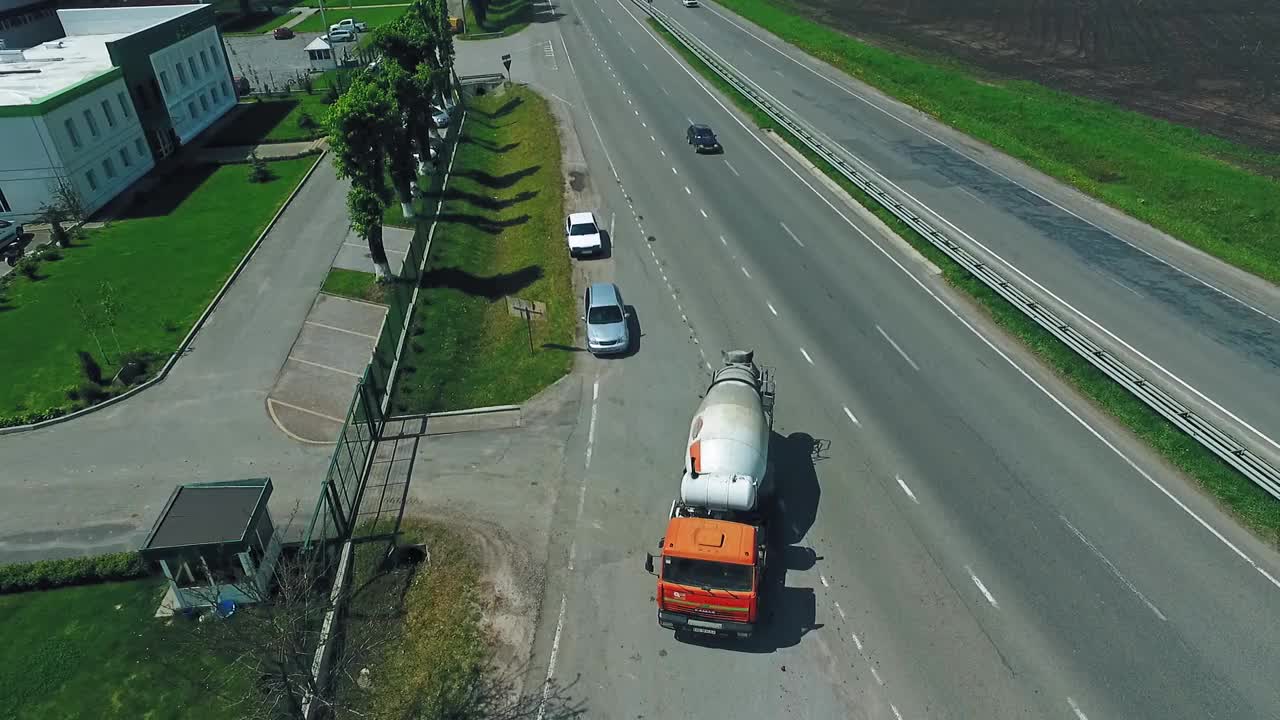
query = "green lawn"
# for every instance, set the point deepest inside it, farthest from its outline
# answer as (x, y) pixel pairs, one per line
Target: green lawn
(1192, 185)
(436, 661)
(374, 17)
(165, 261)
(353, 284)
(499, 234)
(252, 24)
(1255, 508)
(347, 4)
(274, 119)
(506, 17)
(95, 652)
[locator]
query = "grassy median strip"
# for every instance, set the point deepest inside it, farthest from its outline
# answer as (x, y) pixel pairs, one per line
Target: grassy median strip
(1192, 185)
(500, 235)
(1255, 508)
(95, 652)
(135, 286)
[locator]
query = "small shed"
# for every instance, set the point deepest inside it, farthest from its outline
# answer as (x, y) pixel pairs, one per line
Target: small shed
(320, 54)
(215, 542)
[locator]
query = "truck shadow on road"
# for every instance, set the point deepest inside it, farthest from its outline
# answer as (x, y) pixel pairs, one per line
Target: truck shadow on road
(788, 613)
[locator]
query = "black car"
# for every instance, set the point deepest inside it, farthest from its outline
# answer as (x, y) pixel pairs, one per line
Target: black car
(702, 139)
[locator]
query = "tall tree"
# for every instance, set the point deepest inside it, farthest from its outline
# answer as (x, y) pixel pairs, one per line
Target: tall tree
(398, 141)
(409, 44)
(359, 124)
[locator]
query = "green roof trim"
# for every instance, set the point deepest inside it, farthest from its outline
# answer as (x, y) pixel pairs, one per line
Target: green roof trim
(52, 102)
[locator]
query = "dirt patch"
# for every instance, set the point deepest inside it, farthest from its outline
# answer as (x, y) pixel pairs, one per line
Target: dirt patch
(1212, 66)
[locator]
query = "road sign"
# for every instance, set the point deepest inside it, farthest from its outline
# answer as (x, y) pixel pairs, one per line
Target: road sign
(506, 62)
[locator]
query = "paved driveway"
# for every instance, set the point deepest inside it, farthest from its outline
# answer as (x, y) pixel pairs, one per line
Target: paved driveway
(269, 62)
(95, 484)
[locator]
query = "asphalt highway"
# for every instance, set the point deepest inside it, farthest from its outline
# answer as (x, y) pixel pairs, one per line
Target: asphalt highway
(1207, 331)
(963, 537)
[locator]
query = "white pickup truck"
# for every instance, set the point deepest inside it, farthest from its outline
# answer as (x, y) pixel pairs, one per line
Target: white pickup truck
(349, 24)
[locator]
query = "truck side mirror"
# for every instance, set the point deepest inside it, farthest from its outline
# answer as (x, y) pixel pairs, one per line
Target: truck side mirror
(648, 563)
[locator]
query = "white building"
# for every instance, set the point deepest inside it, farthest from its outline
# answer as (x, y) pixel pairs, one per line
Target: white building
(96, 107)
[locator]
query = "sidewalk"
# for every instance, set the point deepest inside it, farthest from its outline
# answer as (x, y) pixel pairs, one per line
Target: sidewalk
(303, 14)
(242, 153)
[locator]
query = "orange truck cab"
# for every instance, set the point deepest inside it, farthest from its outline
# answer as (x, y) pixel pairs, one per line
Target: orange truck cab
(709, 575)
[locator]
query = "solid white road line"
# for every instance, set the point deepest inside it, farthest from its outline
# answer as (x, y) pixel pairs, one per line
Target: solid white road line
(324, 367)
(338, 329)
(551, 665)
(852, 417)
(1114, 570)
(806, 355)
(1076, 709)
(985, 592)
(902, 483)
(906, 357)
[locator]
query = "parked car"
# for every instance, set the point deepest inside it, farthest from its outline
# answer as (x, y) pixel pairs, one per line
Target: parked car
(440, 116)
(583, 234)
(607, 320)
(282, 33)
(10, 241)
(702, 139)
(340, 36)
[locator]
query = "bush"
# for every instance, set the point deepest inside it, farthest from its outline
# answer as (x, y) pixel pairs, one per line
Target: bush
(27, 266)
(307, 83)
(47, 574)
(51, 253)
(260, 173)
(306, 122)
(92, 371)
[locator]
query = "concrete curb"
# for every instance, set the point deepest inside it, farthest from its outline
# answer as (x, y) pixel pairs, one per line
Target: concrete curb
(186, 342)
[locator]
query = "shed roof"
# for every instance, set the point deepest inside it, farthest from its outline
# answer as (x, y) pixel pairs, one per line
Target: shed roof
(209, 514)
(317, 44)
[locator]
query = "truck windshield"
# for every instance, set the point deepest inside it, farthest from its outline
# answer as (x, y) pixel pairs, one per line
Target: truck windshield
(707, 574)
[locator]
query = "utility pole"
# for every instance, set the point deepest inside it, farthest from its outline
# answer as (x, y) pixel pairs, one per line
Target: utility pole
(333, 52)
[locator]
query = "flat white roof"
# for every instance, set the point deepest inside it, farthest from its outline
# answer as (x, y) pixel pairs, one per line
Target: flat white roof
(80, 58)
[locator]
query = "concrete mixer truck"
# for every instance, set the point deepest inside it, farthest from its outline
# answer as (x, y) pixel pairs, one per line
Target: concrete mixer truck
(711, 561)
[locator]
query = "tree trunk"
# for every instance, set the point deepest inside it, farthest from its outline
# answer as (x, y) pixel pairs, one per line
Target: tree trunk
(61, 237)
(405, 191)
(378, 253)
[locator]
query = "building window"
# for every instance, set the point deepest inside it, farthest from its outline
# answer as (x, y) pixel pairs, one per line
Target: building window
(108, 167)
(213, 53)
(204, 60)
(4, 203)
(124, 157)
(225, 90)
(92, 179)
(191, 62)
(93, 124)
(111, 114)
(140, 92)
(191, 108)
(137, 145)
(164, 80)
(70, 124)
(124, 104)
(182, 74)
(204, 102)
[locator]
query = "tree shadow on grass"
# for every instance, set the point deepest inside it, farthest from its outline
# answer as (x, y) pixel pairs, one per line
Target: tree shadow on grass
(491, 147)
(498, 181)
(489, 203)
(253, 122)
(166, 193)
(483, 223)
(504, 110)
(491, 288)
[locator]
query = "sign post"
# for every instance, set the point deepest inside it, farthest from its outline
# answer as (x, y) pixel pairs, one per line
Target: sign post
(506, 62)
(527, 309)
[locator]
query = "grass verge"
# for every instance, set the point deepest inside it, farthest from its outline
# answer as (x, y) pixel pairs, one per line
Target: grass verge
(505, 17)
(353, 284)
(256, 23)
(275, 119)
(135, 286)
(372, 16)
(437, 660)
(1192, 185)
(96, 652)
(1254, 507)
(499, 235)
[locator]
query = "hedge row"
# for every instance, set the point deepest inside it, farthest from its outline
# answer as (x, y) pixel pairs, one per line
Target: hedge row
(46, 574)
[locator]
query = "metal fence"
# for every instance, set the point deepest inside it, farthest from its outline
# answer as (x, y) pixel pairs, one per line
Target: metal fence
(1220, 443)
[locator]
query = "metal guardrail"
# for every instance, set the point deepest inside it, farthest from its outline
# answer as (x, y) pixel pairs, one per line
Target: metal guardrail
(1215, 440)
